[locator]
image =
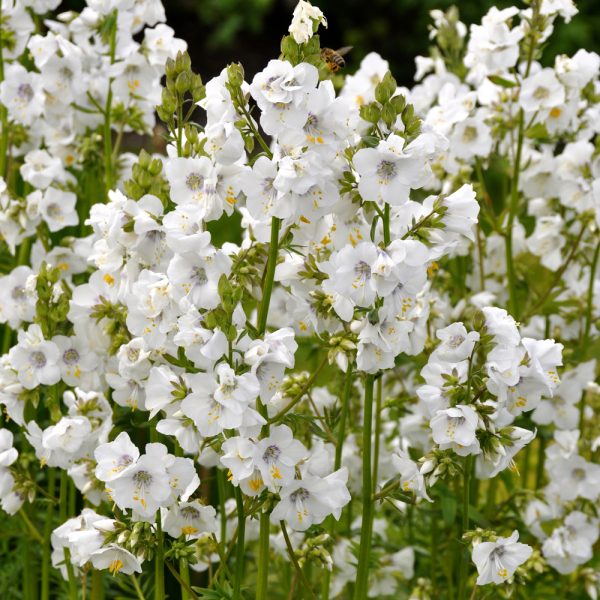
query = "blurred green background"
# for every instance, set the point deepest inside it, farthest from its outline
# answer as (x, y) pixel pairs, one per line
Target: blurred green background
(221, 31)
(249, 31)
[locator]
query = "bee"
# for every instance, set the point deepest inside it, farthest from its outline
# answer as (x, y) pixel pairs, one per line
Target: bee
(334, 58)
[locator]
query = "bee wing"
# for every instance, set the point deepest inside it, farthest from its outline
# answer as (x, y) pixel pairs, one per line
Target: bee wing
(343, 51)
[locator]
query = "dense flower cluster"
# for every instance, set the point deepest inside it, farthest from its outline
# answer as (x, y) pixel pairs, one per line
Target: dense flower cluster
(293, 317)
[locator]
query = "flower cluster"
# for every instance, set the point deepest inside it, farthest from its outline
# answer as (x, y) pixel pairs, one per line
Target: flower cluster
(334, 314)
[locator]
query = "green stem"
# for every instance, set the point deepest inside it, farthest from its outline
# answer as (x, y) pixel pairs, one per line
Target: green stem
(71, 575)
(262, 577)
(63, 496)
(97, 592)
(138, 589)
(433, 553)
(463, 555)
(240, 546)
(292, 554)
(184, 584)
(362, 574)
(108, 157)
(222, 509)
(590, 300)
(491, 497)
(184, 574)
(541, 459)
(159, 562)
(513, 308)
(341, 436)
(267, 287)
(387, 238)
(48, 527)
(309, 383)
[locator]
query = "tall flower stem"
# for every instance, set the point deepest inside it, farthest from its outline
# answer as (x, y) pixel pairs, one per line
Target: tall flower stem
(269, 275)
(184, 574)
(292, 555)
(513, 206)
(263, 311)
(462, 559)
(362, 574)
(159, 562)
(262, 577)
(240, 545)
(341, 435)
(590, 299)
(108, 152)
(48, 527)
(97, 592)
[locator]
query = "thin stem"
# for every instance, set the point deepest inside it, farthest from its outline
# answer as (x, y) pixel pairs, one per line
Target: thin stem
(590, 299)
(297, 566)
(159, 562)
(462, 559)
(309, 383)
(48, 527)
(343, 416)
(387, 238)
(97, 592)
(541, 458)
(222, 510)
(262, 577)
(137, 587)
(63, 496)
(267, 287)
(71, 575)
(512, 211)
(378, 400)
(339, 446)
(185, 585)
(362, 574)
(184, 574)
(108, 154)
(240, 546)
(30, 527)
(558, 275)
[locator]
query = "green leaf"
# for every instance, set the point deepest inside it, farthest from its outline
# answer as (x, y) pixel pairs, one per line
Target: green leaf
(501, 81)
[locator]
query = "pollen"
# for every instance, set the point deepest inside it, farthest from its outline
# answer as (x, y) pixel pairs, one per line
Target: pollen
(115, 566)
(555, 112)
(189, 530)
(108, 279)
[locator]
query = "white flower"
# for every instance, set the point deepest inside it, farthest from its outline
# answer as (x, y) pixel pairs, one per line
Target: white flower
(144, 486)
(310, 500)
(497, 561)
(306, 18)
(21, 93)
(116, 560)
(541, 91)
(457, 344)
(76, 359)
(456, 425)
(35, 359)
(571, 544)
(389, 171)
(40, 169)
(58, 209)
(191, 519)
(277, 455)
(411, 479)
(115, 457)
